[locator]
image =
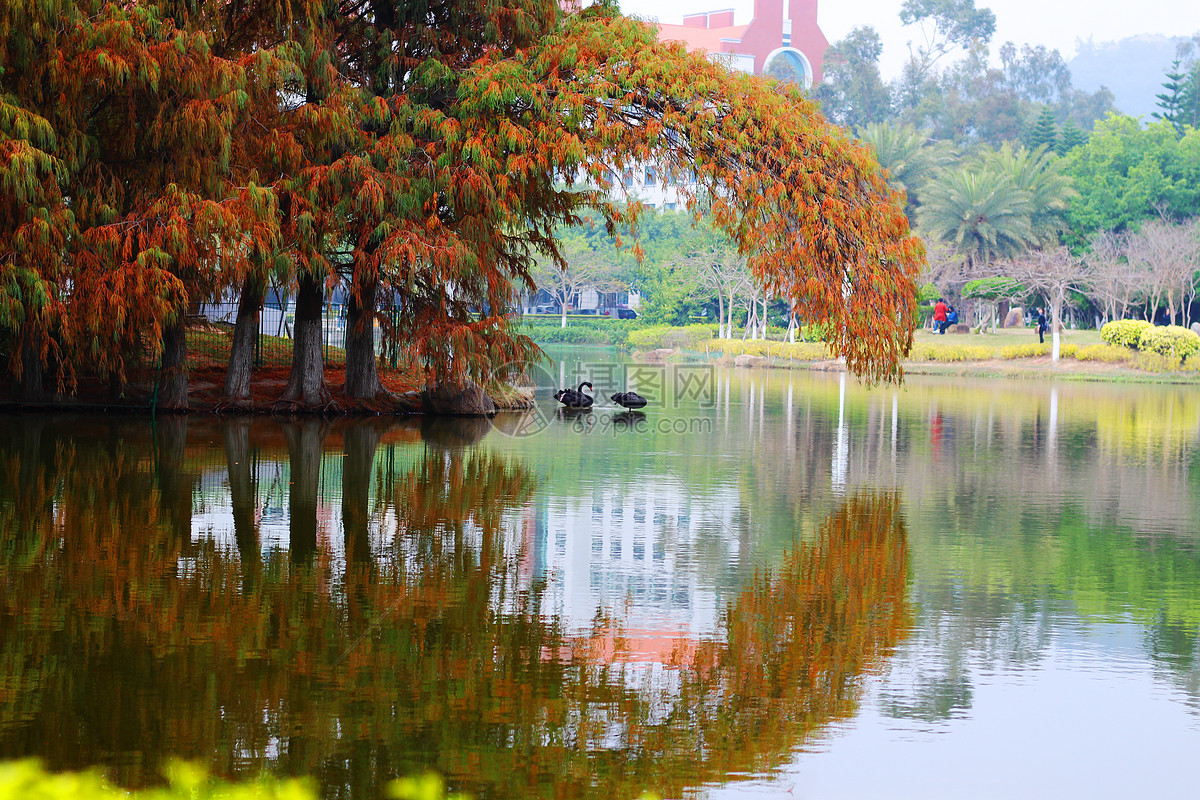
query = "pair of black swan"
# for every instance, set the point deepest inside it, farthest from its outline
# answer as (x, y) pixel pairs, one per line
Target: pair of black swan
(575, 398)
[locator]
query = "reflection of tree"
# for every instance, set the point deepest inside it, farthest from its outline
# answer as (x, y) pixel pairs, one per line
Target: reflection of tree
(122, 643)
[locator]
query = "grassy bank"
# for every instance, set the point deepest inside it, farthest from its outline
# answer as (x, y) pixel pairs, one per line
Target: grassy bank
(1011, 353)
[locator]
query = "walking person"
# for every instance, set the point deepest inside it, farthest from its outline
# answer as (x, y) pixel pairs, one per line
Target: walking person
(939, 315)
(1041, 323)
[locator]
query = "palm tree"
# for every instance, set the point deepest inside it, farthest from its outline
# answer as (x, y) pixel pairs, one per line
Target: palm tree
(981, 213)
(909, 156)
(1037, 172)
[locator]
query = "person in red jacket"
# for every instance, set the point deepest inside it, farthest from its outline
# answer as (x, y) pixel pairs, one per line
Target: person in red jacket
(939, 316)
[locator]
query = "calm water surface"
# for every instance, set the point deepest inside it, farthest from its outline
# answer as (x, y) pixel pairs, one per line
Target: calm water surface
(771, 585)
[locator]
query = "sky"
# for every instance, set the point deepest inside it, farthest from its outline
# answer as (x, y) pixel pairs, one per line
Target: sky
(1054, 23)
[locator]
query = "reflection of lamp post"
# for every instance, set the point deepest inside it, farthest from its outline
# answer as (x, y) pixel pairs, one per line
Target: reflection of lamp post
(895, 420)
(1052, 437)
(841, 449)
(791, 441)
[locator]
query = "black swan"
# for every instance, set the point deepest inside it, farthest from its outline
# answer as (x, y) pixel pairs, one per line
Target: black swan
(629, 399)
(574, 398)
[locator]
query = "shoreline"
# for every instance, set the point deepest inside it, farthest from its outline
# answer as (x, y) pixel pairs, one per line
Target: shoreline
(205, 387)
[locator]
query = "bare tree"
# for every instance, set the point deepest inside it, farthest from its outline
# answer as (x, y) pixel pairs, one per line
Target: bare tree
(1113, 280)
(1053, 273)
(1168, 255)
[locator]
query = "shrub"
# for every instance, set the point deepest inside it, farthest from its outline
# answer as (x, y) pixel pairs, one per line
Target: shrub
(800, 351)
(1106, 353)
(579, 330)
(1155, 362)
(950, 353)
(1124, 332)
(689, 337)
(1031, 350)
(1170, 340)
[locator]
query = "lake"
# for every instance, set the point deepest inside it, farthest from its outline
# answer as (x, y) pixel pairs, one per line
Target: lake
(770, 584)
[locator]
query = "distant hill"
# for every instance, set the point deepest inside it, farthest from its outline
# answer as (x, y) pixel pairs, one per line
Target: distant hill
(1132, 69)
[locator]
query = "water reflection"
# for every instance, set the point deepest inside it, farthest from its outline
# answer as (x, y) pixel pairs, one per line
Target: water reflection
(358, 600)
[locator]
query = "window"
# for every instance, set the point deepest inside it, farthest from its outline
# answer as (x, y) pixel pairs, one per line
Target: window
(651, 176)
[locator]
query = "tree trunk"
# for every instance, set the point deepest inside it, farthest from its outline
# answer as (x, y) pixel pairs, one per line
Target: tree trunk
(360, 441)
(241, 350)
(1055, 338)
(176, 486)
(173, 374)
(238, 460)
(304, 461)
(33, 370)
(563, 308)
(306, 384)
(720, 314)
(362, 371)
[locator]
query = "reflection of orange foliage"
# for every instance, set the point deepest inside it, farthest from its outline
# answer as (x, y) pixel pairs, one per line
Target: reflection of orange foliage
(798, 641)
(123, 641)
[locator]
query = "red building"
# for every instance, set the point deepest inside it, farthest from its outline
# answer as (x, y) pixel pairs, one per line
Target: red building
(783, 39)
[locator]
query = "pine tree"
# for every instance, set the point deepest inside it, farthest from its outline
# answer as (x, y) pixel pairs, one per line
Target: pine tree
(1189, 97)
(1171, 101)
(1070, 137)
(1045, 130)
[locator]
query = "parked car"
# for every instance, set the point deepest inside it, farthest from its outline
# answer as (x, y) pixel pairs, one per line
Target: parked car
(626, 313)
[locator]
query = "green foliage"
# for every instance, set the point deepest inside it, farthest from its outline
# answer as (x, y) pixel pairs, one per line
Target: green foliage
(995, 288)
(853, 93)
(1045, 130)
(1124, 332)
(581, 330)
(28, 780)
(688, 337)
(1126, 173)
(980, 212)
(1169, 340)
(1070, 137)
(1179, 103)
(910, 157)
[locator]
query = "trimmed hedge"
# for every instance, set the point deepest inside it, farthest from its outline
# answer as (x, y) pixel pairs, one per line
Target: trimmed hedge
(1170, 340)
(1124, 332)
(555, 334)
(951, 353)
(800, 351)
(1032, 350)
(689, 337)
